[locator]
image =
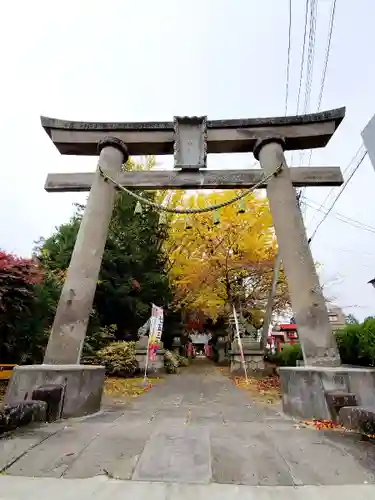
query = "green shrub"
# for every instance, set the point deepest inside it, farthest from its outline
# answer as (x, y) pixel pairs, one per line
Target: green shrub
(356, 343)
(367, 341)
(119, 358)
(182, 360)
(348, 344)
(171, 362)
(288, 355)
(97, 338)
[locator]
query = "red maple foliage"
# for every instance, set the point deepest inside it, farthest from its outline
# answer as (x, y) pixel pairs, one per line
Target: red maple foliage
(30, 269)
(17, 277)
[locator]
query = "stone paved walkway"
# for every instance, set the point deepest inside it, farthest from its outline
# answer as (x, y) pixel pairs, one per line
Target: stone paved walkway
(196, 427)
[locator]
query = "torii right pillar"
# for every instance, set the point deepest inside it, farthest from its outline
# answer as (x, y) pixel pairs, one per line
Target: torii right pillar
(321, 387)
(308, 303)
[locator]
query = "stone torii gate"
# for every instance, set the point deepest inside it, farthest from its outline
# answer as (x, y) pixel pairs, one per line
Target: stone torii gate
(189, 139)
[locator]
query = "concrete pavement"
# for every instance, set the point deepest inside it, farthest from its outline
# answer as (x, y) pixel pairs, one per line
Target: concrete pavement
(189, 435)
(101, 488)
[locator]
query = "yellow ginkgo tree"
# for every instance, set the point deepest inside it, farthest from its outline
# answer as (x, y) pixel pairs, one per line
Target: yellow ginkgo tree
(217, 259)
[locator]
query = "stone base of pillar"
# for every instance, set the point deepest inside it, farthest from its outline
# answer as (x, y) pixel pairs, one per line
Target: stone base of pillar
(253, 354)
(254, 361)
(82, 386)
(155, 366)
(222, 358)
(305, 389)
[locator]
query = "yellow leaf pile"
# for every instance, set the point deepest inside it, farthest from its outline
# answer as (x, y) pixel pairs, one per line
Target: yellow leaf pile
(125, 388)
(264, 390)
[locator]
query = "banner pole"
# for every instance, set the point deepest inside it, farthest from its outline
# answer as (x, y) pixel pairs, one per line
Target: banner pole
(155, 333)
(147, 355)
(148, 346)
(240, 343)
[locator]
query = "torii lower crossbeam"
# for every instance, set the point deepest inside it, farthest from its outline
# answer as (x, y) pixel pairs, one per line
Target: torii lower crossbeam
(204, 179)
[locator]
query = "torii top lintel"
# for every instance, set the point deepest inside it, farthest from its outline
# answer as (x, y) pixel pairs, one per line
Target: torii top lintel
(223, 136)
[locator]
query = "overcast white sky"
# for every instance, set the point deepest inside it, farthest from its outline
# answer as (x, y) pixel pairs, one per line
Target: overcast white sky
(121, 60)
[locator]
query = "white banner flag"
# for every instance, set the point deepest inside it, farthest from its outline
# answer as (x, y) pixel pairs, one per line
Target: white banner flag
(156, 324)
(154, 337)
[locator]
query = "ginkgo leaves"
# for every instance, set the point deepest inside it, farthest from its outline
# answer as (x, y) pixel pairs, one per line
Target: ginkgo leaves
(212, 263)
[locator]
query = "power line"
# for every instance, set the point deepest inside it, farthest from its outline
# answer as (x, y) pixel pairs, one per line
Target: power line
(288, 58)
(302, 65)
(361, 148)
(303, 54)
(310, 55)
(328, 50)
(342, 218)
(326, 59)
(313, 204)
(344, 186)
(310, 60)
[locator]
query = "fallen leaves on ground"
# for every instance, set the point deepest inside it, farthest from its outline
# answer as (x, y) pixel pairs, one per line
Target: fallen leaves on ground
(265, 390)
(322, 425)
(114, 387)
(125, 388)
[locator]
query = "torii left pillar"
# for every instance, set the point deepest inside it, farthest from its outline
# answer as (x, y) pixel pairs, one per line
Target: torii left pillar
(73, 311)
(82, 384)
